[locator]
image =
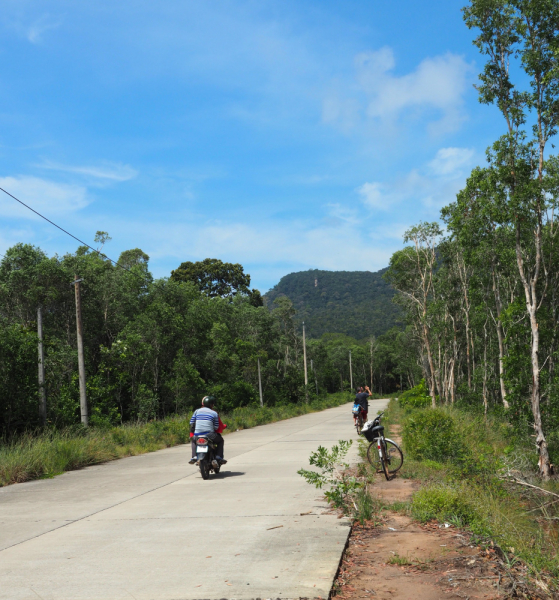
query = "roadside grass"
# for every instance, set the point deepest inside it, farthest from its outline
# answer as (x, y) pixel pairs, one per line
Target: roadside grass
(52, 452)
(461, 460)
(401, 561)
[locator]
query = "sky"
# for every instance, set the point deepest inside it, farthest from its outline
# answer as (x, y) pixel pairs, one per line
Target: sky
(283, 135)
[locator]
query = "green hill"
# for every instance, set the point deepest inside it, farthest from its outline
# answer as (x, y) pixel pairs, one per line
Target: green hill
(357, 303)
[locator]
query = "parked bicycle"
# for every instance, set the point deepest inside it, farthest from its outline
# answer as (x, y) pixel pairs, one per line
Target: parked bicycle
(384, 454)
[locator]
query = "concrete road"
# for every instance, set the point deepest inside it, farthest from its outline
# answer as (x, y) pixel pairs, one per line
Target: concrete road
(149, 528)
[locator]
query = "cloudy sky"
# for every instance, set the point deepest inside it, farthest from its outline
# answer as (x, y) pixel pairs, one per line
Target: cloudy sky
(284, 135)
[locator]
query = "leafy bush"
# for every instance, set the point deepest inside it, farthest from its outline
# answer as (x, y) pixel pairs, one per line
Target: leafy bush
(444, 503)
(417, 397)
(431, 434)
(333, 474)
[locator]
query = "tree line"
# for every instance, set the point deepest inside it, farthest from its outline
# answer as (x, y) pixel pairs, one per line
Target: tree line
(482, 300)
(155, 347)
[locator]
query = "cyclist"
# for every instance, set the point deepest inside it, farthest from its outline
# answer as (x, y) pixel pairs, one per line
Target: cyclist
(362, 399)
(205, 421)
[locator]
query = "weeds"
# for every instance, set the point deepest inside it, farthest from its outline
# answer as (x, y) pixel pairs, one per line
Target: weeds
(365, 506)
(53, 452)
(401, 561)
(462, 459)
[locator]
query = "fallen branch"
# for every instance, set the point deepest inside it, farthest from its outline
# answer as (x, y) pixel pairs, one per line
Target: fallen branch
(525, 483)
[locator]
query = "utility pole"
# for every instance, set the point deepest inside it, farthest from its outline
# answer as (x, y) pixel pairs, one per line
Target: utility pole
(372, 342)
(42, 391)
(350, 373)
(305, 361)
(81, 362)
(260, 384)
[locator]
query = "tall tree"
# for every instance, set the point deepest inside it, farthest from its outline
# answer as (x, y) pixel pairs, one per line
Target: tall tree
(526, 29)
(214, 277)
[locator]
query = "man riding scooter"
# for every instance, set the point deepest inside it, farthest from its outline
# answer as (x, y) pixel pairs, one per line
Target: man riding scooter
(206, 422)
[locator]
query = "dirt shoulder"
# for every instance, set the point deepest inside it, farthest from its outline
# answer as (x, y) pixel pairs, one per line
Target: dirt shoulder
(395, 557)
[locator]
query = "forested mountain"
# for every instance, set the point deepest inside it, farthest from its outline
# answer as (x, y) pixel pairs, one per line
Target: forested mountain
(356, 303)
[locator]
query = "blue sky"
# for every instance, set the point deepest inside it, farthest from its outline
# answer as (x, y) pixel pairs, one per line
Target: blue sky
(279, 134)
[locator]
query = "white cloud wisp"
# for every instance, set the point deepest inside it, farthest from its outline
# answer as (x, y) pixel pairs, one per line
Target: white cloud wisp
(47, 197)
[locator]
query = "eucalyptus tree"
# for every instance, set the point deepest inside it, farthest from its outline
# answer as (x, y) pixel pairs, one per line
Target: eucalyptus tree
(412, 273)
(524, 188)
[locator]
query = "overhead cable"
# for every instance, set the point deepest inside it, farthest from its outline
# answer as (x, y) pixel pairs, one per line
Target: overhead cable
(67, 233)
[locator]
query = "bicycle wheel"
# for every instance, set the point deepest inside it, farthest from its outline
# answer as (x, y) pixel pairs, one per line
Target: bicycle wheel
(384, 461)
(394, 456)
(373, 456)
(359, 424)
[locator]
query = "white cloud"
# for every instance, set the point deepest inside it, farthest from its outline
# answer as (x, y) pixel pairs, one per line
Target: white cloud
(435, 184)
(451, 161)
(372, 195)
(46, 197)
(108, 171)
(325, 247)
(35, 31)
(437, 84)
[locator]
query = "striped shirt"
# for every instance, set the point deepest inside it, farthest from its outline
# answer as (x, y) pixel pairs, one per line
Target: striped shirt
(206, 421)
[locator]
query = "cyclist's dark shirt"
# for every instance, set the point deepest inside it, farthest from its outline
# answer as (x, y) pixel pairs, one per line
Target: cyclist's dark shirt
(362, 399)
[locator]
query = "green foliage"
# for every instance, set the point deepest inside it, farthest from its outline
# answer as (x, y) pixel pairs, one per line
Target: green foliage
(214, 277)
(332, 474)
(468, 490)
(365, 506)
(354, 303)
(432, 434)
(152, 348)
(417, 397)
(444, 503)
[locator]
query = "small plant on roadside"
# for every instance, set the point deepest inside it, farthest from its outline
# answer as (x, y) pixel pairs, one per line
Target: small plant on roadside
(365, 506)
(401, 561)
(333, 473)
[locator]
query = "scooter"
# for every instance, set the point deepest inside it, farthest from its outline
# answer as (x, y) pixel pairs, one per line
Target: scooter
(205, 453)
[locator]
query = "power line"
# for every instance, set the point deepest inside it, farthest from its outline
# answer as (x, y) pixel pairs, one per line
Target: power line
(67, 233)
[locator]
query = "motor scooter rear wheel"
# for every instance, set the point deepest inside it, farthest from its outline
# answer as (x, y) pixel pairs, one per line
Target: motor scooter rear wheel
(205, 468)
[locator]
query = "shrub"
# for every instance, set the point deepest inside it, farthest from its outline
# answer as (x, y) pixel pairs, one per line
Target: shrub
(431, 434)
(417, 397)
(444, 503)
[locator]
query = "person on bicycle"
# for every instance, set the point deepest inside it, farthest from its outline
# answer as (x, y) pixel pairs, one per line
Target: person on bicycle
(362, 399)
(206, 422)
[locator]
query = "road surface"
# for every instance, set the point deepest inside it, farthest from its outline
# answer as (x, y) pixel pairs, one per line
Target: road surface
(149, 528)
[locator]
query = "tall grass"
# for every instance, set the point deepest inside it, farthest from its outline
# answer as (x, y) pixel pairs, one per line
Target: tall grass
(464, 484)
(53, 452)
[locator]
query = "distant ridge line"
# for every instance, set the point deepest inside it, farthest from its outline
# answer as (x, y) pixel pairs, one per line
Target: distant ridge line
(355, 303)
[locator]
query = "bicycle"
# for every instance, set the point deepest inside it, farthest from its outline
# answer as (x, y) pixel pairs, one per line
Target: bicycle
(383, 453)
(358, 418)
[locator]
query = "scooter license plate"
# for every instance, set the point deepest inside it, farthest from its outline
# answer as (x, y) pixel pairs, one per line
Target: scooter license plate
(201, 449)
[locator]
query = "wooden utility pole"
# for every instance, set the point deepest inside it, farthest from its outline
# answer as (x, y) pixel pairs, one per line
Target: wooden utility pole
(305, 361)
(81, 361)
(260, 384)
(350, 372)
(42, 391)
(372, 343)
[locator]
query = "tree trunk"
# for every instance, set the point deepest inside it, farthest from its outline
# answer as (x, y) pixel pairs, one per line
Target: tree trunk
(499, 327)
(431, 379)
(530, 292)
